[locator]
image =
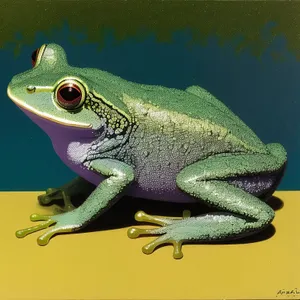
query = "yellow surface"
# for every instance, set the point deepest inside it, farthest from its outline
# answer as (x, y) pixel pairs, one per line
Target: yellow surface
(91, 265)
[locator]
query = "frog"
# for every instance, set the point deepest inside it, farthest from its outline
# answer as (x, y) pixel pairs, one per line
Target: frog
(147, 141)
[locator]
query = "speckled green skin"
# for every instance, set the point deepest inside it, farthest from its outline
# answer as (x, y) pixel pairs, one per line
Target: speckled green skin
(154, 142)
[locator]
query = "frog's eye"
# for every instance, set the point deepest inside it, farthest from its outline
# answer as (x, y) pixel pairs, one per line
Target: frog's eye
(34, 56)
(69, 95)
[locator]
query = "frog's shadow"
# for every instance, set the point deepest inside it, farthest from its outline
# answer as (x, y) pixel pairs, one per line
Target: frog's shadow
(122, 215)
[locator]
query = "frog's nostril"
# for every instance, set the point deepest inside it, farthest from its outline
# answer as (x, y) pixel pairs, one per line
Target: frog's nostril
(30, 89)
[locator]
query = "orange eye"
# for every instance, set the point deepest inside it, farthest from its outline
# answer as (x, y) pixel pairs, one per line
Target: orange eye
(69, 96)
(34, 56)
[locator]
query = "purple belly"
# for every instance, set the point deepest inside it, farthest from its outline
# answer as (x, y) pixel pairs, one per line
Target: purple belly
(61, 136)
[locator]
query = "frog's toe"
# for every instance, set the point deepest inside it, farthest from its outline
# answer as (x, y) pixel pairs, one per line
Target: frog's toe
(68, 205)
(45, 238)
(162, 240)
(141, 216)
(134, 232)
(49, 196)
(48, 221)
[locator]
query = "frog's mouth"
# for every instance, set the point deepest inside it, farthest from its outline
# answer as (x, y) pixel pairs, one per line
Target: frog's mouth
(61, 121)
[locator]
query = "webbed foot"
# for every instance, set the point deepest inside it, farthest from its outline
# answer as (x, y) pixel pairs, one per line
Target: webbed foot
(62, 223)
(170, 232)
(54, 194)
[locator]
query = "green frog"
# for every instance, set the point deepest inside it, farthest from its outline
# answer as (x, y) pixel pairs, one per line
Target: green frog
(150, 142)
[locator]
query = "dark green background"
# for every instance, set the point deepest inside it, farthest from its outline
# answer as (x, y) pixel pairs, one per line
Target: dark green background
(245, 53)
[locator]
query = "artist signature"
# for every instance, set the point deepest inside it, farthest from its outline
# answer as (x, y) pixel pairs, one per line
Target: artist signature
(291, 293)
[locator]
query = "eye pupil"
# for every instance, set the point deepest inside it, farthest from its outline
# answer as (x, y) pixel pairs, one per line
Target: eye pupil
(69, 93)
(69, 96)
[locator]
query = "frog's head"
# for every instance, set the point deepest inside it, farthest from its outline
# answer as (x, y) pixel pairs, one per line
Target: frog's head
(73, 97)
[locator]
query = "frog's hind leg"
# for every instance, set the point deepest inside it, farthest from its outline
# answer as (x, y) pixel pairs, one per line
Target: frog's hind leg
(240, 213)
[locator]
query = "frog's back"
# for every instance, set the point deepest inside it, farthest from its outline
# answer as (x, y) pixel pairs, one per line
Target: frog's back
(198, 104)
(194, 102)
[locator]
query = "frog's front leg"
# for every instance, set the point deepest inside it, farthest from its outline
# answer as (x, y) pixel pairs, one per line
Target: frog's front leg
(78, 186)
(240, 214)
(119, 174)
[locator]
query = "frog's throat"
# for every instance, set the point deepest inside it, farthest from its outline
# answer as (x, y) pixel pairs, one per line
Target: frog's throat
(45, 115)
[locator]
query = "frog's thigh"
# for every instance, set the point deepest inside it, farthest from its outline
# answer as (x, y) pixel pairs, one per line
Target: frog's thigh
(205, 180)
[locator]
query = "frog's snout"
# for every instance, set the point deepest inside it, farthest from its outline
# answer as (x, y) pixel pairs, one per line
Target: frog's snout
(9, 91)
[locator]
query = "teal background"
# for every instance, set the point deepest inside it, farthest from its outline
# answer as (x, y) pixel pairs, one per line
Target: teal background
(262, 90)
